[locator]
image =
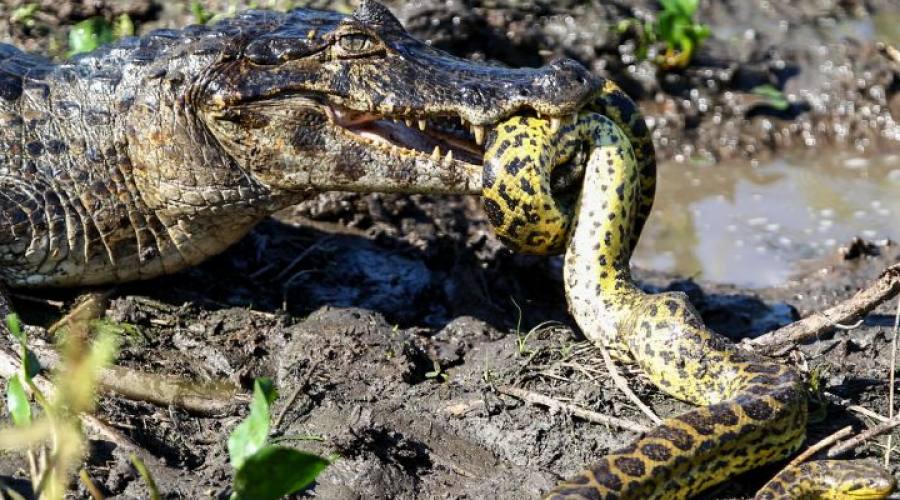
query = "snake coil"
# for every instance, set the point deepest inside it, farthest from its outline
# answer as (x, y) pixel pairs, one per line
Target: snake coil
(751, 410)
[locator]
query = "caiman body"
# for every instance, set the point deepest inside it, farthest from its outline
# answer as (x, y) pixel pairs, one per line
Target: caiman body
(151, 155)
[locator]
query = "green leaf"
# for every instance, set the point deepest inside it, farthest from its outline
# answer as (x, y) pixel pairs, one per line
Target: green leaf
(17, 402)
(123, 27)
(30, 364)
(15, 327)
(774, 97)
(24, 13)
(201, 16)
(251, 434)
(276, 471)
(89, 34)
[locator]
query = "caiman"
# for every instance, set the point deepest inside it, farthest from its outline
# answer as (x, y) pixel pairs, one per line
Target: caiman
(151, 155)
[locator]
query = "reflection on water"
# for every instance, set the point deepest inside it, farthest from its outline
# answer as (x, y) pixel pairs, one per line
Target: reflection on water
(754, 226)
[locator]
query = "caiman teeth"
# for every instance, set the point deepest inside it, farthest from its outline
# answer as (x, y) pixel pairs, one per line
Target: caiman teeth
(408, 122)
(555, 123)
(436, 154)
(449, 158)
(422, 125)
(478, 132)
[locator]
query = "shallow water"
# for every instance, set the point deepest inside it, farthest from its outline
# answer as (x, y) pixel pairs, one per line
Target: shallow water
(758, 225)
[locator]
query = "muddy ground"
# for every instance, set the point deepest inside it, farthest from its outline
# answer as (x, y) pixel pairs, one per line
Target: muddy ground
(351, 302)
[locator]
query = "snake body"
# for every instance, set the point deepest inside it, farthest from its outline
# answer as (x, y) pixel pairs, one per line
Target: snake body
(751, 410)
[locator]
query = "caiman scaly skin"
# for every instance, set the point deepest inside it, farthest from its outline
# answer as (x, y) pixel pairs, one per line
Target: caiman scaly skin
(151, 155)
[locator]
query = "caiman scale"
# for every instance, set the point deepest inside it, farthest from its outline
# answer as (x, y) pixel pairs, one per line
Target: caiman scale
(151, 155)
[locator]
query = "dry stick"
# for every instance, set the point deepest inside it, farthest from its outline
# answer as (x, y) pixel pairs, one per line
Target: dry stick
(828, 441)
(862, 436)
(590, 416)
(884, 288)
(161, 390)
(887, 450)
(207, 399)
(867, 412)
(622, 384)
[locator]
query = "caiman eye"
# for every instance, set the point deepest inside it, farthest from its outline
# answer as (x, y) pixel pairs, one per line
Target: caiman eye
(356, 44)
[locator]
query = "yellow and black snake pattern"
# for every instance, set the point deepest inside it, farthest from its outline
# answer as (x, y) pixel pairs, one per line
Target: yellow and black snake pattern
(751, 410)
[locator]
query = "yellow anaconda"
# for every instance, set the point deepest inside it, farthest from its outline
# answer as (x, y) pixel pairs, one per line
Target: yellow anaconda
(752, 410)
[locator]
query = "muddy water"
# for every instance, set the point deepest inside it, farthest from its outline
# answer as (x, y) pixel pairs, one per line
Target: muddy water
(758, 225)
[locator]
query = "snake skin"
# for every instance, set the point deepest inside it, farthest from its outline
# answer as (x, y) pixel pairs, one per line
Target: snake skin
(752, 410)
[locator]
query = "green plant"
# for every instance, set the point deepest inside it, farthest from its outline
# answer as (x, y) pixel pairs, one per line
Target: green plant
(263, 470)
(24, 14)
(89, 34)
(123, 26)
(201, 15)
(675, 27)
(92, 33)
(437, 373)
(521, 339)
(58, 430)
(773, 97)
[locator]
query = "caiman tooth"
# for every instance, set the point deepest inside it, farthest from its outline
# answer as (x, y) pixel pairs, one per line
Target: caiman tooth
(449, 157)
(408, 122)
(436, 154)
(555, 123)
(422, 125)
(478, 132)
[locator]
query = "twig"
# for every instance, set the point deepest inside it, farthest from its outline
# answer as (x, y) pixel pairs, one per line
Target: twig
(840, 326)
(889, 51)
(867, 412)
(90, 306)
(10, 365)
(884, 288)
(862, 436)
(304, 254)
(622, 384)
(887, 451)
(812, 450)
(56, 304)
(294, 395)
(161, 390)
(588, 415)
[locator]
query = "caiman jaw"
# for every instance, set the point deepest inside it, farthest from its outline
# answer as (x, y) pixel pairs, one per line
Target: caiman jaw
(440, 138)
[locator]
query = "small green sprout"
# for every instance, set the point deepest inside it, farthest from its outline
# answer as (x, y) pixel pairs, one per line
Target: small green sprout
(265, 471)
(438, 373)
(57, 431)
(676, 26)
(774, 98)
(24, 15)
(201, 15)
(521, 339)
(89, 34)
(123, 26)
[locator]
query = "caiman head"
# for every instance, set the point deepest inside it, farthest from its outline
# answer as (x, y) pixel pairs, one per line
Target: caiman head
(321, 100)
